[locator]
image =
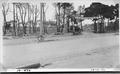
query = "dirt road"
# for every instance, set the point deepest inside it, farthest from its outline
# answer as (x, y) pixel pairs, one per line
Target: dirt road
(84, 52)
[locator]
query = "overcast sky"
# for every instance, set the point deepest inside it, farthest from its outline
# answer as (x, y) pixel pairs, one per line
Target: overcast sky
(50, 12)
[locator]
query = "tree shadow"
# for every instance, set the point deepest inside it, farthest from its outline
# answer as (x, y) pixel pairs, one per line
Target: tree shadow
(34, 66)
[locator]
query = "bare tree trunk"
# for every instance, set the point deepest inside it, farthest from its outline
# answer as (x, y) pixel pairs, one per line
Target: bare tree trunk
(35, 20)
(17, 21)
(14, 27)
(4, 26)
(101, 26)
(108, 29)
(29, 19)
(4, 11)
(35, 23)
(95, 27)
(58, 18)
(44, 20)
(81, 26)
(68, 24)
(63, 28)
(41, 22)
(25, 27)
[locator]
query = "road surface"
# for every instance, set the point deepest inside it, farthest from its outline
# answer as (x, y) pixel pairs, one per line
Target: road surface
(99, 51)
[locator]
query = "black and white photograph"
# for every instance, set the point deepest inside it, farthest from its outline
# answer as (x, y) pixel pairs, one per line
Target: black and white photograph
(63, 34)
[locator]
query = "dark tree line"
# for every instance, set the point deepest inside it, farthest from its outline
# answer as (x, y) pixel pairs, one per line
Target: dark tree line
(100, 12)
(26, 17)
